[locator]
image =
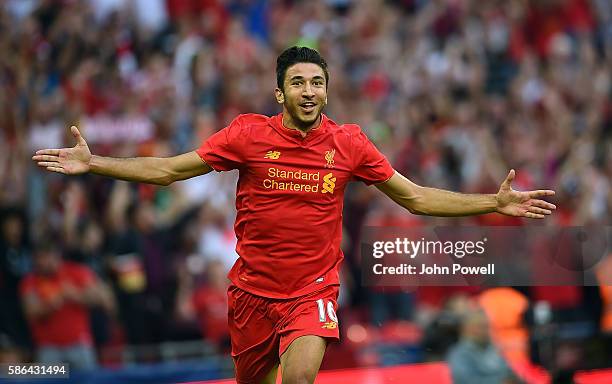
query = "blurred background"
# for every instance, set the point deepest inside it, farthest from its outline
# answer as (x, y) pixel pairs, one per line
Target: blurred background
(129, 279)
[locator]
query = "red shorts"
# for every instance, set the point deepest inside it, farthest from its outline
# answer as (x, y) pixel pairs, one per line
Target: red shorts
(262, 328)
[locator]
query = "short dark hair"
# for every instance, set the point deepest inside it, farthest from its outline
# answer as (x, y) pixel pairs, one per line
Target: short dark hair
(294, 55)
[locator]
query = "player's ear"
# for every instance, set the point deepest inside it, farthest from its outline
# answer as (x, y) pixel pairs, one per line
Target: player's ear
(280, 96)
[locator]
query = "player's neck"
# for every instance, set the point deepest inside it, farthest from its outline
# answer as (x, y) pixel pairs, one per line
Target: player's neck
(303, 129)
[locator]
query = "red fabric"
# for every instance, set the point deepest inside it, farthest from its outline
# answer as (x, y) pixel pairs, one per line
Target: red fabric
(85, 95)
(180, 8)
(70, 323)
(211, 308)
(262, 329)
(602, 376)
(517, 44)
(289, 199)
(544, 21)
(579, 15)
(213, 14)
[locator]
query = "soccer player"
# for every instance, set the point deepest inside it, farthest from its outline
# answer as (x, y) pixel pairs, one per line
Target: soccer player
(294, 168)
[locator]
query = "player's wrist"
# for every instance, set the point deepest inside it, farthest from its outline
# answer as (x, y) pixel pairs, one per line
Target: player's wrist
(487, 203)
(95, 164)
(499, 202)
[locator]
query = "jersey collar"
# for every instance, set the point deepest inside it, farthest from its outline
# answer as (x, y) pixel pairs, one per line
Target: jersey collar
(292, 134)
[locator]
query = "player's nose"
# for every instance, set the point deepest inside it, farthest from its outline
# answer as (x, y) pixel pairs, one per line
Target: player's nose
(307, 91)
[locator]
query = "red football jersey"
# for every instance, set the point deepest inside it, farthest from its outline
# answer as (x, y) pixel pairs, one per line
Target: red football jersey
(289, 198)
(69, 324)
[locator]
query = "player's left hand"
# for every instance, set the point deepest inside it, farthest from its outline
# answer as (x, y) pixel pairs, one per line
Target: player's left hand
(523, 204)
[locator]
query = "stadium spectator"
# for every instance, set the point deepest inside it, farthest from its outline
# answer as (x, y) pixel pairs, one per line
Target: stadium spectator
(505, 308)
(207, 302)
(474, 359)
(445, 329)
(15, 263)
(56, 298)
(453, 92)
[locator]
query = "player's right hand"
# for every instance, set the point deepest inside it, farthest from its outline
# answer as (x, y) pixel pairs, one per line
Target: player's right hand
(69, 161)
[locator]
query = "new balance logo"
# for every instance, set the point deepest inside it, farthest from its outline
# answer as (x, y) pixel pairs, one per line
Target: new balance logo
(329, 183)
(330, 325)
(274, 155)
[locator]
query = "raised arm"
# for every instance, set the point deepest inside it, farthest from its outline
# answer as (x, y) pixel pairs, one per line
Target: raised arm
(152, 170)
(437, 202)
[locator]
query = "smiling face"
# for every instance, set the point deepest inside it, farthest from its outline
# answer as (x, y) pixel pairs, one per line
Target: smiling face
(303, 96)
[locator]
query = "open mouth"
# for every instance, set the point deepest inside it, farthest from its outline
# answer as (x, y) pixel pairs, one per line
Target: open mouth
(308, 106)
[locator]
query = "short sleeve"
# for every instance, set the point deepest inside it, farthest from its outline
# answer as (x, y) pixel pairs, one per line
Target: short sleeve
(370, 166)
(223, 150)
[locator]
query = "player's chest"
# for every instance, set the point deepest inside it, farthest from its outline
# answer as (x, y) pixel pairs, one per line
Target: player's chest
(315, 173)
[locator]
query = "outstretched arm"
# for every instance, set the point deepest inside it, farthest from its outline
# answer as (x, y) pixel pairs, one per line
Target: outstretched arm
(152, 170)
(438, 202)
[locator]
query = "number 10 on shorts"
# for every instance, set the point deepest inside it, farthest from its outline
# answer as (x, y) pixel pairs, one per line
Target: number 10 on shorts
(330, 311)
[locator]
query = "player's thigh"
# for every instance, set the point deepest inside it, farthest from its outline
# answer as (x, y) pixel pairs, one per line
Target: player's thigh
(301, 361)
(271, 376)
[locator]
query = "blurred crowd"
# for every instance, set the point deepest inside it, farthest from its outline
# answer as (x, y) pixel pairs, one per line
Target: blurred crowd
(454, 92)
